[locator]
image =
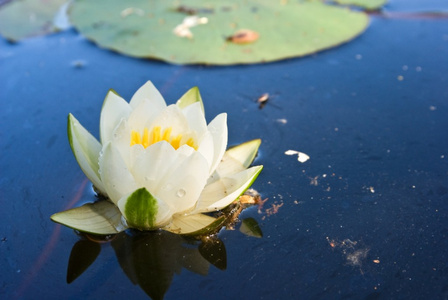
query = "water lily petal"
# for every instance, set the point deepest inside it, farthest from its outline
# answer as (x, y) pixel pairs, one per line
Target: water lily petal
(121, 139)
(143, 211)
(101, 217)
(181, 186)
(115, 175)
(149, 92)
(174, 176)
(86, 150)
(172, 117)
(190, 97)
(197, 224)
(206, 148)
(151, 165)
(236, 159)
(185, 151)
(195, 118)
(224, 191)
(144, 113)
(218, 129)
(114, 109)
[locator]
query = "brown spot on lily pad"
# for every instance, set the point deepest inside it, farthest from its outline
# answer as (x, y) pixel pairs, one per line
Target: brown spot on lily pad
(243, 36)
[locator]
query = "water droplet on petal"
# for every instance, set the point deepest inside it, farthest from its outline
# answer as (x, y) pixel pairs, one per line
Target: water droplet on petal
(180, 193)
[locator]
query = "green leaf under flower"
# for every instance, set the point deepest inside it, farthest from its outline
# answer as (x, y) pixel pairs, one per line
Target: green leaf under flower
(197, 224)
(101, 217)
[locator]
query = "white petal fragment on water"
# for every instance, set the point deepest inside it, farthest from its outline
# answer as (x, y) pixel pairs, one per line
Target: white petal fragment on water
(183, 29)
(301, 157)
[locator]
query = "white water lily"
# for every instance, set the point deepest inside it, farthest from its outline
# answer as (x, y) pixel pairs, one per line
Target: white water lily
(160, 166)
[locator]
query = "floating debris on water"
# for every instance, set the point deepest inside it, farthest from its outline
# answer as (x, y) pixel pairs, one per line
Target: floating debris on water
(301, 157)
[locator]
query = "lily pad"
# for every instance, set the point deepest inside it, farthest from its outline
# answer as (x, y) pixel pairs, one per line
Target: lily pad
(27, 18)
(143, 28)
(367, 4)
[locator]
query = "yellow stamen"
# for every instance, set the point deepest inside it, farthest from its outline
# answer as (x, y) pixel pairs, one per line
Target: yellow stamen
(135, 138)
(167, 134)
(145, 139)
(176, 141)
(156, 135)
(190, 142)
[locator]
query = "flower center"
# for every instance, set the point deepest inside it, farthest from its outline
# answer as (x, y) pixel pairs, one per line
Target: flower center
(157, 135)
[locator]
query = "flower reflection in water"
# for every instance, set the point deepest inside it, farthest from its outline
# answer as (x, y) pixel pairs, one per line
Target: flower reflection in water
(151, 258)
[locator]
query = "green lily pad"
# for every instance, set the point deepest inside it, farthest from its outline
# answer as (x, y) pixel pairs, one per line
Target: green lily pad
(27, 18)
(367, 4)
(143, 28)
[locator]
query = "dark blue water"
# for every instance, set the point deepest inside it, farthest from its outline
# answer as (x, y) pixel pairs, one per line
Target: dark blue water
(364, 218)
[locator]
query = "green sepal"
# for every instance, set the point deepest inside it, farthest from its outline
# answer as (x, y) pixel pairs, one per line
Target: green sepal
(190, 97)
(107, 95)
(258, 170)
(195, 225)
(140, 209)
(223, 192)
(245, 153)
(86, 149)
(101, 217)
